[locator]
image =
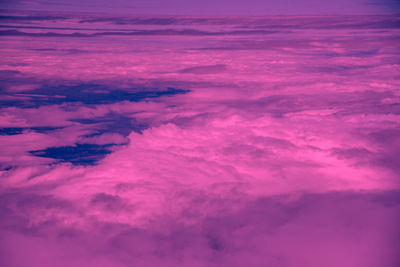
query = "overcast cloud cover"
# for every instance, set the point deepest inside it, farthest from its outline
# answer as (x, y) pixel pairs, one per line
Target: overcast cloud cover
(132, 138)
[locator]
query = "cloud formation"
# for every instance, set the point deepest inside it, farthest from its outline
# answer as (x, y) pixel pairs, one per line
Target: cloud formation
(239, 141)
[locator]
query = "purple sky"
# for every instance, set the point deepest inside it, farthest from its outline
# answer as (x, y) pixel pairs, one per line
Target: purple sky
(213, 7)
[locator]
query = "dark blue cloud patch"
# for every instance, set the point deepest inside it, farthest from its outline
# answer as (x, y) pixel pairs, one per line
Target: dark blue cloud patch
(90, 94)
(70, 98)
(80, 154)
(11, 131)
(20, 130)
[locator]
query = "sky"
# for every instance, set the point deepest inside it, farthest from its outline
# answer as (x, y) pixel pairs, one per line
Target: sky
(174, 133)
(213, 7)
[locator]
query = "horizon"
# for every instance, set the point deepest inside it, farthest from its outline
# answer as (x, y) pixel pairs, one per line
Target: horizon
(209, 7)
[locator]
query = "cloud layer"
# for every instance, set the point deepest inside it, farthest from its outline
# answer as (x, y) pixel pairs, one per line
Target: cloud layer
(238, 141)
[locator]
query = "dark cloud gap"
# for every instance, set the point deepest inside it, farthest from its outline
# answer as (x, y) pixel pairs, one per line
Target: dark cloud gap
(79, 154)
(20, 130)
(86, 94)
(11, 18)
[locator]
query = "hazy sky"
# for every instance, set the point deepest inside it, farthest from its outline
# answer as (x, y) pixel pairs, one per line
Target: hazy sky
(212, 7)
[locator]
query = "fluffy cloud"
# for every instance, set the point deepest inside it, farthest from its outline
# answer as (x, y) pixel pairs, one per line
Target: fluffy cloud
(224, 156)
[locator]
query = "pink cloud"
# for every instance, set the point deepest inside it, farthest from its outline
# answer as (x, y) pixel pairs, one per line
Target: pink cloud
(284, 152)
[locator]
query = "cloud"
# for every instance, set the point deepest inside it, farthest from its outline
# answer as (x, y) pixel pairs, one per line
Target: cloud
(347, 229)
(116, 151)
(221, 157)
